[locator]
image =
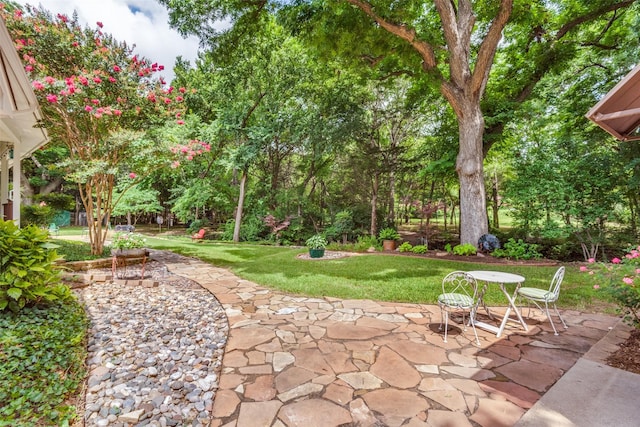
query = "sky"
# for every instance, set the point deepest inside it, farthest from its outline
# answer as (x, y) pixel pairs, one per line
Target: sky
(143, 23)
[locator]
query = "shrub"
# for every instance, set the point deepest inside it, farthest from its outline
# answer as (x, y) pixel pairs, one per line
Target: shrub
(365, 242)
(251, 230)
(621, 279)
(465, 249)
(388, 234)
(405, 247)
(518, 249)
(28, 274)
(39, 214)
(419, 249)
(317, 242)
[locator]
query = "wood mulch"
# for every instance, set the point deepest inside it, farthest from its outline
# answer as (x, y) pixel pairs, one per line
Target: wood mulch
(627, 357)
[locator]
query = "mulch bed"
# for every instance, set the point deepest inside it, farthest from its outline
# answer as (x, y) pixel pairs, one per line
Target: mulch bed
(627, 357)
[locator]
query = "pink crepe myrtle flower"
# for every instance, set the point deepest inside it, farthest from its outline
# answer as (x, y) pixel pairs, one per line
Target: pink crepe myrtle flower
(596, 286)
(591, 260)
(179, 98)
(28, 68)
(583, 268)
(117, 112)
(116, 69)
(628, 280)
(95, 101)
(175, 164)
(52, 98)
(63, 18)
(37, 85)
(49, 80)
(75, 44)
(112, 80)
(616, 261)
(97, 80)
(167, 101)
(99, 24)
(180, 122)
(132, 175)
(88, 108)
(83, 80)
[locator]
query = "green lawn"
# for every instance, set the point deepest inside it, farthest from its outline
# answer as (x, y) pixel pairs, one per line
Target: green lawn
(372, 276)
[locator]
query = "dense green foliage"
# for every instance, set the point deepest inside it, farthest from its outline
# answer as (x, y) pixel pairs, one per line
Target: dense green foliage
(320, 117)
(42, 354)
(28, 274)
(517, 249)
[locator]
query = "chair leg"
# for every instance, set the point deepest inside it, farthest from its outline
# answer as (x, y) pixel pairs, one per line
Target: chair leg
(475, 333)
(558, 313)
(446, 324)
(546, 306)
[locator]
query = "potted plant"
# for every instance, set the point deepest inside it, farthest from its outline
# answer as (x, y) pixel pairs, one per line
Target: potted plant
(128, 244)
(388, 237)
(316, 245)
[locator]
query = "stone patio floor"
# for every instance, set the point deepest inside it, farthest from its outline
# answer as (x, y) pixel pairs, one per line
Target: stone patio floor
(296, 361)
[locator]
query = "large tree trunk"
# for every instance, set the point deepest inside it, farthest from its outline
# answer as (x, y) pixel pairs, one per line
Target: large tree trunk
(473, 211)
(236, 228)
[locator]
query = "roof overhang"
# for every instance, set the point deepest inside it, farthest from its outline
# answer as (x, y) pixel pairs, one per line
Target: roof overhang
(19, 109)
(619, 111)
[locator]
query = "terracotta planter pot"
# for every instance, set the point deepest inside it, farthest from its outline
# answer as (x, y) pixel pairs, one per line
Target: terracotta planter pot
(389, 245)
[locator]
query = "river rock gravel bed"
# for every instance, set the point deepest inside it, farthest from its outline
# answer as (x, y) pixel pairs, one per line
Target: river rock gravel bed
(155, 353)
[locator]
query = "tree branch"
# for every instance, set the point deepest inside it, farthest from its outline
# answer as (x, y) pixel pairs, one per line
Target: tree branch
(408, 34)
(589, 16)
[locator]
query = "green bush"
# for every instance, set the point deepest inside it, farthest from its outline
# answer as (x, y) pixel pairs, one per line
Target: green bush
(405, 247)
(388, 234)
(28, 274)
(317, 241)
(40, 215)
(465, 249)
(419, 249)
(42, 354)
(252, 229)
(365, 242)
(518, 249)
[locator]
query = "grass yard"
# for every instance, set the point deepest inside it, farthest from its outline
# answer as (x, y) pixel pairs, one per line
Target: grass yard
(372, 276)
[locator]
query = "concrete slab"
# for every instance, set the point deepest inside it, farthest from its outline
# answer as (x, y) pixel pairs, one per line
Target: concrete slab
(589, 394)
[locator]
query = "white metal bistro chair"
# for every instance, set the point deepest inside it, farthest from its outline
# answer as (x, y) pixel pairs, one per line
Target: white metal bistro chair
(546, 296)
(459, 293)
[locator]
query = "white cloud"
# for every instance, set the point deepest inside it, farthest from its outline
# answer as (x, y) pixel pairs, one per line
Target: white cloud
(143, 23)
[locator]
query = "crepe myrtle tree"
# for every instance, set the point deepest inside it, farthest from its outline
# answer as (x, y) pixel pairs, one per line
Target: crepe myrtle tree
(101, 101)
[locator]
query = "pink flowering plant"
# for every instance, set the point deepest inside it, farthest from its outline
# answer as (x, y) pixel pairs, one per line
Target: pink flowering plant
(621, 279)
(103, 103)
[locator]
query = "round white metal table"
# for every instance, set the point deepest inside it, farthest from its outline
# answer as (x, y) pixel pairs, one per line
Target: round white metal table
(502, 279)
